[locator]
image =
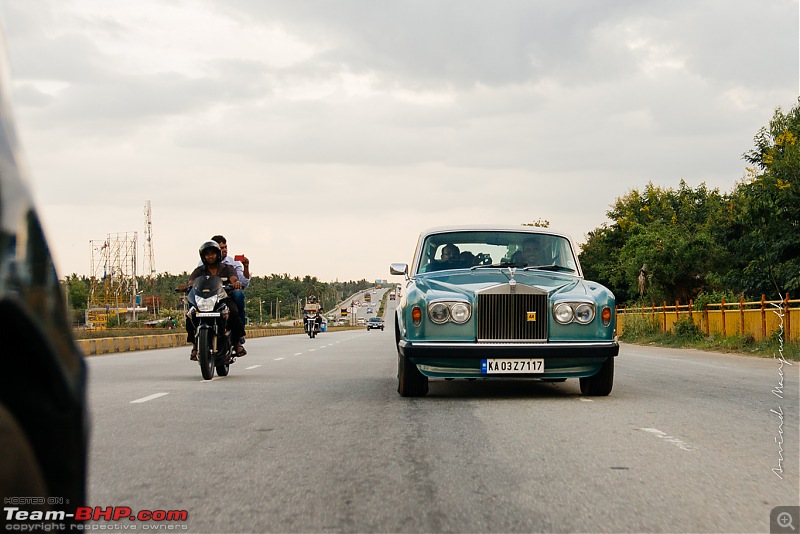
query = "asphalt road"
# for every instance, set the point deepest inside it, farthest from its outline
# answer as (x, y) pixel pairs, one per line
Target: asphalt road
(311, 436)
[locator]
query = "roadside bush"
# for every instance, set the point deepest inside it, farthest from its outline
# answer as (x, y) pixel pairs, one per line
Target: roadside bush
(686, 329)
(715, 297)
(639, 326)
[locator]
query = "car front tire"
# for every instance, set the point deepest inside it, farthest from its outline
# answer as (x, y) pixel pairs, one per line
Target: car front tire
(410, 382)
(599, 385)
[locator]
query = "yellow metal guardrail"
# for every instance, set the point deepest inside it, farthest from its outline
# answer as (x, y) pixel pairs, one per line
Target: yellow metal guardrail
(759, 319)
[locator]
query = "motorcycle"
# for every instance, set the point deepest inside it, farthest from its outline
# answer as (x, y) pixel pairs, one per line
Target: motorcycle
(311, 325)
(209, 314)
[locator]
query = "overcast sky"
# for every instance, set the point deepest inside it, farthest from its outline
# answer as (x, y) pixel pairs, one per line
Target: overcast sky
(320, 137)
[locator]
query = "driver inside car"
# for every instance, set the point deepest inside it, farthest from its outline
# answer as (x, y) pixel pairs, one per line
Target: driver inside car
(531, 254)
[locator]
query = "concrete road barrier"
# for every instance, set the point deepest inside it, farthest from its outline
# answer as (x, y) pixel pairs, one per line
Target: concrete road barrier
(108, 345)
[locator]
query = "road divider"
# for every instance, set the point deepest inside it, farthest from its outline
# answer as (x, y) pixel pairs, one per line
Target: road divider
(109, 345)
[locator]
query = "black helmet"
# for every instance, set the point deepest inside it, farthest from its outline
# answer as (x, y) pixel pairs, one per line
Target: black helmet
(210, 245)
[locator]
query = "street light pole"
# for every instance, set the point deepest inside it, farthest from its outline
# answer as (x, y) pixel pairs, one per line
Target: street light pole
(260, 313)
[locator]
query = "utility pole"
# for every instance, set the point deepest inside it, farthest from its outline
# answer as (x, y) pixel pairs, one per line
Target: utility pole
(149, 255)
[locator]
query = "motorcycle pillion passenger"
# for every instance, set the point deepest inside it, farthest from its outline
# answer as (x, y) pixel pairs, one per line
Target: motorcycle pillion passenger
(242, 266)
(211, 258)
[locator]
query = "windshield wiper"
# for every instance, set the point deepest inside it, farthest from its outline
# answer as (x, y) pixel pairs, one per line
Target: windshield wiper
(550, 268)
(499, 265)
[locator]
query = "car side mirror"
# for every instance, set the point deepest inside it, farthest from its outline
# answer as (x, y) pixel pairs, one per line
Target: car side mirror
(400, 269)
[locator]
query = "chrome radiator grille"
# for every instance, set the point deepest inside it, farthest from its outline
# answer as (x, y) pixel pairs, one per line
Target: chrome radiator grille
(505, 317)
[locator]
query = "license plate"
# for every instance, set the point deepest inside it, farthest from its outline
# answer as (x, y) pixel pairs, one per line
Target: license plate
(206, 314)
(512, 366)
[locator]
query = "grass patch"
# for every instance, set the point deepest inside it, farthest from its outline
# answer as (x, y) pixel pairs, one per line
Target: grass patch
(687, 337)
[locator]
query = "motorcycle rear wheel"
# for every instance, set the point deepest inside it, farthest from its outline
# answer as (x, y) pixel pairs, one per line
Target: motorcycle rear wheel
(204, 355)
(223, 365)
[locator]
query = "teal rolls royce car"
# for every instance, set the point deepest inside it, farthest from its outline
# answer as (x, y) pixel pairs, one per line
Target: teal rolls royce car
(500, 302)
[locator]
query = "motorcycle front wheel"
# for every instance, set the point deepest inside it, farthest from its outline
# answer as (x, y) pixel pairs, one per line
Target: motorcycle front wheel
(204, 355)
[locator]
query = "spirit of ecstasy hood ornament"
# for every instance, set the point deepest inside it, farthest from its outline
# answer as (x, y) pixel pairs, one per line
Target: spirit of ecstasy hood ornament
(511, 282)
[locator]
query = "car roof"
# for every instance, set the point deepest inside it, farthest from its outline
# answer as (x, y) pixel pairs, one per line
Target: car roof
(492, 227)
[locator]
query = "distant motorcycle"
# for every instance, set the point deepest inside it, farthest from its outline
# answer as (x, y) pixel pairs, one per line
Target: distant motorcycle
(312, 325)
(209, 314)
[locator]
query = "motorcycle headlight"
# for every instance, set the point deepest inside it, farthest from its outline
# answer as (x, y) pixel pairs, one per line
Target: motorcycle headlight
(205, 305)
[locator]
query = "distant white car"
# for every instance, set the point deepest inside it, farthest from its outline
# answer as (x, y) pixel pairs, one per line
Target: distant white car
(362, 321)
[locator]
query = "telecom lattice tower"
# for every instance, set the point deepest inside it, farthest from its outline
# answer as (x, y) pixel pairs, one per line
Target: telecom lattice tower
(149, 254)
(113, 271)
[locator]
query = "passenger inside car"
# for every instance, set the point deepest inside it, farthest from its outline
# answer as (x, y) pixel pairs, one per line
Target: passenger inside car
(468, 259)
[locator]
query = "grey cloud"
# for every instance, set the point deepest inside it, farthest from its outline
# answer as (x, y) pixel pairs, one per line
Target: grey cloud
(552, 112)
(464, 43)
(26, 95)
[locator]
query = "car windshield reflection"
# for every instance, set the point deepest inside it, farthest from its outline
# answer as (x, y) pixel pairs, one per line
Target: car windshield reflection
(495, 249)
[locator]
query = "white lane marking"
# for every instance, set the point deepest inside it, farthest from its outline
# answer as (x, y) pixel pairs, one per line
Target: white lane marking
(279, 359)
(666, 437)
(297, 353)
(585, 400)
(311, 350)
(149, 398)
(252, 367)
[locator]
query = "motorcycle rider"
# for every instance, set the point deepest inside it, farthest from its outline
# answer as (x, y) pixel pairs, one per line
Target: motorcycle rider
(211, 265)
(242, 274)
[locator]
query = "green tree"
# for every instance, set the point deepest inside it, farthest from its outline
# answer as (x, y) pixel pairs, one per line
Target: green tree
(77, 291)
(680, 263)
(675, 233)
(768, 214)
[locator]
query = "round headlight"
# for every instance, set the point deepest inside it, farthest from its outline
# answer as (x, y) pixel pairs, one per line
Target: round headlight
(460, 312)
(584, 313)
(563, 313)
(439, 312)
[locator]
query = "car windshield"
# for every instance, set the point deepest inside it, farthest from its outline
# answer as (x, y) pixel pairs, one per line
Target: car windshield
(375, 320)
(480, 248)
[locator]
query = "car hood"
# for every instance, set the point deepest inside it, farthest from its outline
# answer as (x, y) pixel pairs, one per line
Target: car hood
(468, 283)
